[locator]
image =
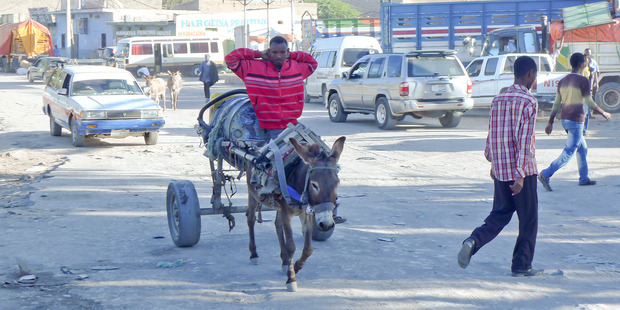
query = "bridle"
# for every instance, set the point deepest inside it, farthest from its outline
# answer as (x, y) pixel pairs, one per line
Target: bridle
(321, 207)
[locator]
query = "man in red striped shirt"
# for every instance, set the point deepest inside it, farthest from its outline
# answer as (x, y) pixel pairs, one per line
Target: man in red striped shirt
(510, 149)
(274, 79)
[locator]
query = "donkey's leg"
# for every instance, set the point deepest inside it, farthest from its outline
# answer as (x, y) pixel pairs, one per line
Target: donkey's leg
(286, 216)
(280, 233)
(306, 226)
(251, 218)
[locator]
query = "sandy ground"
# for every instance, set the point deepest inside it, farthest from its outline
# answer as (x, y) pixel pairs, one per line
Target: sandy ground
(90, 222)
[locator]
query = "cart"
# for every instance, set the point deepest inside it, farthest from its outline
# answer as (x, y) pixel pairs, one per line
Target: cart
(241, 143)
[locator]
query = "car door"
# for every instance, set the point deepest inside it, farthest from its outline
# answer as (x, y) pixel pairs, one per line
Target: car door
(373, 83)
(474, 69)
(351, 88)
(63, 100)
(39, 68)
(488, 82)
(313, 88)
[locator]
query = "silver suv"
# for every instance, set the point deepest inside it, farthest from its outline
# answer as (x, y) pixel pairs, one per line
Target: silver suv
(392, 86)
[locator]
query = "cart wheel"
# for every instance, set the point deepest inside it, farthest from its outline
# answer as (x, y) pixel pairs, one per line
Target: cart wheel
(183, 213)
(318, 235)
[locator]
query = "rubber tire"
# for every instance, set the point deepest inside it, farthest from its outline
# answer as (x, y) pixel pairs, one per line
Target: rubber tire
(306, 97)
(318, 235)
(30, 79)
(323, 91)
(608, 97)
(195, 69)
(451, 119)
(183, 211)
(383, 116)
(400, 118)
(150, 138)
(55, 129)
(76, 139)
(335, 109)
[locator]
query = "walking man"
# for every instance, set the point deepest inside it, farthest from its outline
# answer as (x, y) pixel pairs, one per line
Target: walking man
(208, 75)
(592, 73)
(573, 90)
(510, 149)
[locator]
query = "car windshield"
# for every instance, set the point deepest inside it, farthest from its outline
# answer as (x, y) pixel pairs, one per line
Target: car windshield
(351, 55)
(433, 66)
(105, 87)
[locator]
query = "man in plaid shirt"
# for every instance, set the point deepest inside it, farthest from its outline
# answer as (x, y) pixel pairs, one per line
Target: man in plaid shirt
(510, 149)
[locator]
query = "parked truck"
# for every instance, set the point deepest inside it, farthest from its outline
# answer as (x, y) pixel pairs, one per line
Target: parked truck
(603, 40)
(458, 25)
(25, 40)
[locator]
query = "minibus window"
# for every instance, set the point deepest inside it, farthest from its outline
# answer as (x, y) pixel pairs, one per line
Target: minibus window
(199, 47)
(180, 48)
(214, 48)
(142, 49)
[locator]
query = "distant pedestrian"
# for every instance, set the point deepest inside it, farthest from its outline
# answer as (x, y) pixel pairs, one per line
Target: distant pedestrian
(510, 149)
(55, 50)
(592, 72)
(144, 71)
(208, 75)
(573, 90)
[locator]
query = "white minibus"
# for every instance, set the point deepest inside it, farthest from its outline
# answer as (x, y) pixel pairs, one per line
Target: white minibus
(336, 55)
(159, 54)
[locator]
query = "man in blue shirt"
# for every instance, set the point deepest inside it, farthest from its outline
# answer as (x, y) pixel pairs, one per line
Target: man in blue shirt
(208, 75)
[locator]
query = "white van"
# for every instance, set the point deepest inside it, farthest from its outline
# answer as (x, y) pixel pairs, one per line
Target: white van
(159, 54)
(336, 55)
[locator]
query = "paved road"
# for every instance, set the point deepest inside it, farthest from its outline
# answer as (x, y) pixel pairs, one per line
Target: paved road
(91, 223)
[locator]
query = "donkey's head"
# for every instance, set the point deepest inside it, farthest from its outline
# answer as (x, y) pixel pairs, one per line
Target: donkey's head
(322, 180)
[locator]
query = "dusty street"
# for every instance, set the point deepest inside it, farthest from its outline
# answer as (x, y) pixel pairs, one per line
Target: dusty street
(91, 224)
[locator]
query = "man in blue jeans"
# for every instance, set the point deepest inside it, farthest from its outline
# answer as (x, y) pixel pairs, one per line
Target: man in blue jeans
(573, 91)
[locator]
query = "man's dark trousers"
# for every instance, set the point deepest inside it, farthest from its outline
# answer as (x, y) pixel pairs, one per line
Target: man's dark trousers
(504, 205)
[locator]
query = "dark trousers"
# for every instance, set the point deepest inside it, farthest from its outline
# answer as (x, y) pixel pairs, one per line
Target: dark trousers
(207, 87)
(504, 205)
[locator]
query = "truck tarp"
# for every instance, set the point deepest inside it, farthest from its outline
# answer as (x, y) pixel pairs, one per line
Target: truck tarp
(29, 38)
(600, 33)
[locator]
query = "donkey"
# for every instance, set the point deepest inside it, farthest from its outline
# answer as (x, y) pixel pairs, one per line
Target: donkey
(317, 175)
(175, 83)
(158, 87)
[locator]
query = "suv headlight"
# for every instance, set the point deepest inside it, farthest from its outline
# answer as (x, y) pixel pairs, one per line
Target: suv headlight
(151, 113)
(94, 115)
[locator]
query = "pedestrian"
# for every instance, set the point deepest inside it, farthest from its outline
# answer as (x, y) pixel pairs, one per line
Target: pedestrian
(591, 71)
(274, 79)
(144, 71)
(510, 149)
(573, 90)
(55, 51)
(208, 75)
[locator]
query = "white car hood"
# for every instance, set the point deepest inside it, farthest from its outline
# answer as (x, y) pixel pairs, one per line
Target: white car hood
(115, 102)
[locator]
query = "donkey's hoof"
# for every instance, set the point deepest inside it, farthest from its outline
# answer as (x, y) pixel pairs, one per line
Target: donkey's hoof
(291, 287)
(254, 260)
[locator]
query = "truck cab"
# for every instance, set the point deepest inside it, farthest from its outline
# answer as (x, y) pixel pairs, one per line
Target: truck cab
(524, 39)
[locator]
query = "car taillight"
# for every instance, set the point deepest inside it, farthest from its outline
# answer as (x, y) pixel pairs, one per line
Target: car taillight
(404, 89)
(469, 87)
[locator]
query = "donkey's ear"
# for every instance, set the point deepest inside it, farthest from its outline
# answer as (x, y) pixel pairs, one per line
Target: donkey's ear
(301, 150)
(169, 73)
(337, 148)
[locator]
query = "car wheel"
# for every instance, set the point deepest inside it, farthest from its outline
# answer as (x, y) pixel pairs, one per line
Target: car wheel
(451, 119)
(383, 115)
(306, 96)
(76, 138)
(335, 110)
(400, 118)
(55, 129)
(608, 97)
(195, 70)
(151, 137)
(30, 79)
(323, 91)
(183, 211)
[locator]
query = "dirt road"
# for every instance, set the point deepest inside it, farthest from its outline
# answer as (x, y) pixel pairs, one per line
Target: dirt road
(90, 222)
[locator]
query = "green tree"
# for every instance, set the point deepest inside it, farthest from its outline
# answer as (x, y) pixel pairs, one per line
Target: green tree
(332, 9)
(167, 4)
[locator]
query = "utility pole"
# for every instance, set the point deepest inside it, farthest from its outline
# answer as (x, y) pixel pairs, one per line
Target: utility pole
(292, 26)
(246, 34)
(268, 2)
(69, 35)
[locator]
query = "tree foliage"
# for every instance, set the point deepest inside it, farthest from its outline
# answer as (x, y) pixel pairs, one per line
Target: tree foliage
(332, 9)
(167, 4)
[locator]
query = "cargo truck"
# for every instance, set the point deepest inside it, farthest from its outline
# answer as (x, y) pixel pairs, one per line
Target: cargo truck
(25, 40)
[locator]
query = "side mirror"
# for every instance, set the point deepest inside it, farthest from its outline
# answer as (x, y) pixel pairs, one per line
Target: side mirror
(345, 75)
(472, 47)
(62, 91)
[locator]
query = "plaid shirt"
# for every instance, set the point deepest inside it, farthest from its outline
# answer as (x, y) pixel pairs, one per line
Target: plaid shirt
(510, 143)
